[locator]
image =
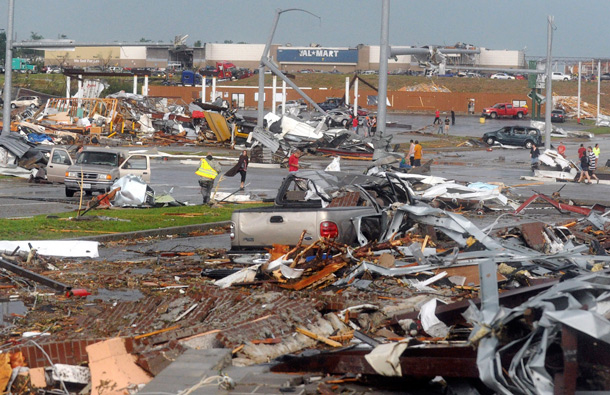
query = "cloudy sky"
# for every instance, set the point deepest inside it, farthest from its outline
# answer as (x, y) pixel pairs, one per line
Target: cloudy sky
(581, 28)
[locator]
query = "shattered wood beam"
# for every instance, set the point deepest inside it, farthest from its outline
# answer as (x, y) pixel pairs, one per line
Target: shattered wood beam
(317, 337)
(306, 282)
(10, 266)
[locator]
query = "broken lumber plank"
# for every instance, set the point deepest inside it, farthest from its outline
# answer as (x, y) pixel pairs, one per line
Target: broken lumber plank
(322, 339)
(171, 328)
(306, 282)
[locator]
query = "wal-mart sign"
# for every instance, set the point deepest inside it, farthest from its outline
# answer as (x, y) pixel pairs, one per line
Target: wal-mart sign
(317, 55)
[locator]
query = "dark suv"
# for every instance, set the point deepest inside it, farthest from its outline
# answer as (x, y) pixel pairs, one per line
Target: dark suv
(514, 135)
(331, 103)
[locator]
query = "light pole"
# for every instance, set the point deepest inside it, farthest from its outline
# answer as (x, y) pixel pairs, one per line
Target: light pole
(8, 71)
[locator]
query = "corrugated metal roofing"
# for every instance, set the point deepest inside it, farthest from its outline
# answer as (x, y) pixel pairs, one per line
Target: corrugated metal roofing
(14, 144)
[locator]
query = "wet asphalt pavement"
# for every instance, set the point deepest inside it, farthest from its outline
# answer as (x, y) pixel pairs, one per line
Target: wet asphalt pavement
(20, 199)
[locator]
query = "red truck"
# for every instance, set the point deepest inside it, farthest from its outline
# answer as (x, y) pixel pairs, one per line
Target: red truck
(226, 70)
(504, 110)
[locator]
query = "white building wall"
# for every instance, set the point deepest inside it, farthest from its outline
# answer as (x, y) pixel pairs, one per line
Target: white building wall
(233, 52)
(508, 58)
(133, 53)
(374, 52)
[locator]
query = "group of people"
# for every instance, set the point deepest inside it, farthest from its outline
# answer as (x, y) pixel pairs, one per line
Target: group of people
(209, 170)
(588, 163)
(588, 158)
(443, 129)
(415, 155)
(369, 122)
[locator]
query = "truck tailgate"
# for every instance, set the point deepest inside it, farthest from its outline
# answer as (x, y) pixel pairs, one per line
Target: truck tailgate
(274, 227)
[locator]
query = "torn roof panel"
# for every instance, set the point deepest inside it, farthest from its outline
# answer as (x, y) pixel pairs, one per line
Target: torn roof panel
(14, 144)
(218, 125)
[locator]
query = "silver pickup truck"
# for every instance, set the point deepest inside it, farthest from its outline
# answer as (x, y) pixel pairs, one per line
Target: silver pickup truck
(95, 169)
(320, 203)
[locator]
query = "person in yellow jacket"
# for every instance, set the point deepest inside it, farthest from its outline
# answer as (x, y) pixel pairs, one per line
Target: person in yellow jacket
(208, 171)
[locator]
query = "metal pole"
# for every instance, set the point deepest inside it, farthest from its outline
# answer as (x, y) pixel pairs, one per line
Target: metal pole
(277, 71)
(145, 86)
(135, 84)
(261, 72)
(8, 71)
(383, 67)
(356, 98)
(203, 92)
(213, 89)
(273, 101)
(549, 85)
(68, 87)
(579, 81)
(283, 97)
(599, 80)
(347, 91)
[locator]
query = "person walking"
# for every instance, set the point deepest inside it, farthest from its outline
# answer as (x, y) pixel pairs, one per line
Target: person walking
(597, 151)
(355, 124)
(293, 161)
(241, 167)
(374, 126)
(207, 172)
(534, 155)
(417, 154)
(447, 125)
(368, 122)
(437, 117)
(584, 168)
(592, 164)
(452, 117)
(412, 153)
(581, 151)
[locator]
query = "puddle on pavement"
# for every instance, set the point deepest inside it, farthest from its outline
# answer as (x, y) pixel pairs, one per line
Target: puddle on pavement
(123, 295)
(10, 310)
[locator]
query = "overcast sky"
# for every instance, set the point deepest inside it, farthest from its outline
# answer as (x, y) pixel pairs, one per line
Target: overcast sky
(581, 27)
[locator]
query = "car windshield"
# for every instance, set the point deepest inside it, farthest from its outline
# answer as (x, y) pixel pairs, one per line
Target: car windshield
(98, 158)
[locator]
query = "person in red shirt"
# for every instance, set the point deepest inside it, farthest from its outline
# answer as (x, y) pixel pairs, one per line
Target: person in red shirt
(581, 151)
(561, 149)
(293, 161)
(437, 117)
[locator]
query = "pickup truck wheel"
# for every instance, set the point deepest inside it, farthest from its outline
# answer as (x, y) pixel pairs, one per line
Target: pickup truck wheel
(565, 79)
(490, 141)
(13, 105)
(493, 115)
(70, 192)
(528, 144)
(520, 115)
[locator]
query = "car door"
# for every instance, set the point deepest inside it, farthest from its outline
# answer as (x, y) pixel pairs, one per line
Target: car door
(58, 164)
(138, 165)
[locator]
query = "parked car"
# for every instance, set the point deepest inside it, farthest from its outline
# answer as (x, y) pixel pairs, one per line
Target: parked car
(95, 168)
(94, 69)
(559, 76)
(53, 69)
(504, 110)
(115, 69)
(338, 117)
(523, 136)
(26, 101)
(502, 76)
(604, 77)
(558, 116)
(331, 103)
(293, 104)
(520, 77)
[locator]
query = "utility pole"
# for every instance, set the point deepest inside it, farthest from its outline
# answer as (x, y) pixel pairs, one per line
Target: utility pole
(383, 67)
(8, 71)
(549, 87)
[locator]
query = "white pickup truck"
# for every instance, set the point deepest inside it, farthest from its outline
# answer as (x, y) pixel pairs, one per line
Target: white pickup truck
(95, 169)
(320, 203)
